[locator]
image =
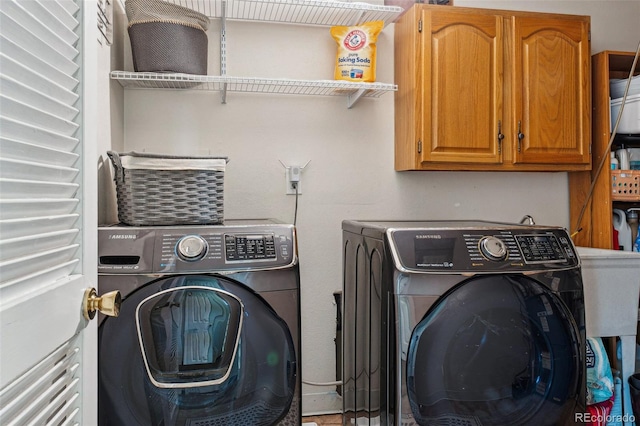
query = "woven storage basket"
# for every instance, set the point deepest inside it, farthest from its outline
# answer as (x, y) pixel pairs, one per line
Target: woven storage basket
(166, 37)
(625, 185)
(169, 190)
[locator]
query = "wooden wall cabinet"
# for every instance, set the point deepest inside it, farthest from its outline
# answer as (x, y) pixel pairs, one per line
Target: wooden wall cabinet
(483, 89)
(595, 229)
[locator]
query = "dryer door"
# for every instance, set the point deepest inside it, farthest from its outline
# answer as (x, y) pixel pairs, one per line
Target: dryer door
(495, 350)
(195, 350)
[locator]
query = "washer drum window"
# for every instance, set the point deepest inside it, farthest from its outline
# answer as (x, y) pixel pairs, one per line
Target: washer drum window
(195, 350)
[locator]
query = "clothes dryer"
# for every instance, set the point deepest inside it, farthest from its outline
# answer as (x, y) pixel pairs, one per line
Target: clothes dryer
(209, 326)
(464, 323)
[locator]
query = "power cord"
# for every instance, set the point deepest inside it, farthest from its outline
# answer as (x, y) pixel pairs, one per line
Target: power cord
(336, 383)
(292, 174)
(295, 211)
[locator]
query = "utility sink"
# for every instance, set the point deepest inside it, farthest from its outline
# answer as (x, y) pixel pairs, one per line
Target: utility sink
(612, 288)
(611, 281)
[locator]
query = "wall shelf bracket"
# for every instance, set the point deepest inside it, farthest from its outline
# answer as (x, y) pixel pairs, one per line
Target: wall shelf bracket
(354, 97)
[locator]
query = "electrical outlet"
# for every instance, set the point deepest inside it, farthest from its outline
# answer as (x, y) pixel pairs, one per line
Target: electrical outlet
(293, 175)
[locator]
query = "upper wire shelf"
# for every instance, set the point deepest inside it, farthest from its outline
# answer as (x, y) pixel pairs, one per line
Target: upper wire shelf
(308, 12)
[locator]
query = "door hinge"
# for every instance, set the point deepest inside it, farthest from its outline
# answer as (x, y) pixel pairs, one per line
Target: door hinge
(419, 25)
(105, 22)
(419, 146)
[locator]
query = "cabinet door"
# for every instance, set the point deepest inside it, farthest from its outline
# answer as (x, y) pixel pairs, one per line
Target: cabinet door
(463, 78)
(551, 91)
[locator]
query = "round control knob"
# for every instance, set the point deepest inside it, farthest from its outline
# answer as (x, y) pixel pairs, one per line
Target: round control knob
(191, 247)
(493, 248)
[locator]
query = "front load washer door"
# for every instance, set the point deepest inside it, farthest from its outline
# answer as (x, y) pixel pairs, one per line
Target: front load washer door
(195, 350)
(495, 350)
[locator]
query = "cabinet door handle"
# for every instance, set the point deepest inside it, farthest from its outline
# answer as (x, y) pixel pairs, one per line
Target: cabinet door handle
(520, 136)
(500, 137)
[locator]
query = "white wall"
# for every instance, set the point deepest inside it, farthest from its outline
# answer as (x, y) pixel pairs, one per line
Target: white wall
(614, 23)
(350, 174)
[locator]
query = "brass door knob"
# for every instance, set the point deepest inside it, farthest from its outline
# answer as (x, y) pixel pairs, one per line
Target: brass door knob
(108, 303)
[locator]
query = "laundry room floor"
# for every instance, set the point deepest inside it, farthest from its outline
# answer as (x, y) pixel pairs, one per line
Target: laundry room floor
(327, 420)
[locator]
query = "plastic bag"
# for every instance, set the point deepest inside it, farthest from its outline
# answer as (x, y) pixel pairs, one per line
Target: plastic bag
(599, 413)
(356, 56)
(599, 377)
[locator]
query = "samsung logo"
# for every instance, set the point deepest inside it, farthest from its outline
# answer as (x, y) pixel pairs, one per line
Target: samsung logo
(123, 236)
(424, 237)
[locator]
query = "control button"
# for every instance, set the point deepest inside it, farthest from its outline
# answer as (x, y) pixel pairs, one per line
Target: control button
(245, 248)
(493, 248)
(269, 247)
(191, 248)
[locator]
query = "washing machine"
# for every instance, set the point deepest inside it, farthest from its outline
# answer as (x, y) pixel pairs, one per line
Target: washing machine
(463, 323)
(209, 326)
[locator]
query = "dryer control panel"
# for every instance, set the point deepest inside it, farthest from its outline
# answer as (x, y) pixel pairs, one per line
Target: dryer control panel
(191, 249)
(482, 250)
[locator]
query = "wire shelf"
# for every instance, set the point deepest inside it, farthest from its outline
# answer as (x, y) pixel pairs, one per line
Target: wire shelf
(308, 12)
(353, 91)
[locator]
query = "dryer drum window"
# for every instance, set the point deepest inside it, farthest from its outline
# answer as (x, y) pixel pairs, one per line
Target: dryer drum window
(495, 350)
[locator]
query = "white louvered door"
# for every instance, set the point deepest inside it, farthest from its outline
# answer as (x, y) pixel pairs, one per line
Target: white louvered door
(47, 211)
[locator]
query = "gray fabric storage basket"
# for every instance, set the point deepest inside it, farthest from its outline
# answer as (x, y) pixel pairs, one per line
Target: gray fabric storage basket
(169, 190)
(167, 47)
(166, 37)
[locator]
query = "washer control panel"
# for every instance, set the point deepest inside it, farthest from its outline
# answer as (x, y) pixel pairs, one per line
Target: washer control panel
(239, 247)
(195, 249)
(520, 248)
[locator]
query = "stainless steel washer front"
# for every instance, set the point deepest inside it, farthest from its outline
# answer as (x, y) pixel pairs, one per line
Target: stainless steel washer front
(209, 326)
